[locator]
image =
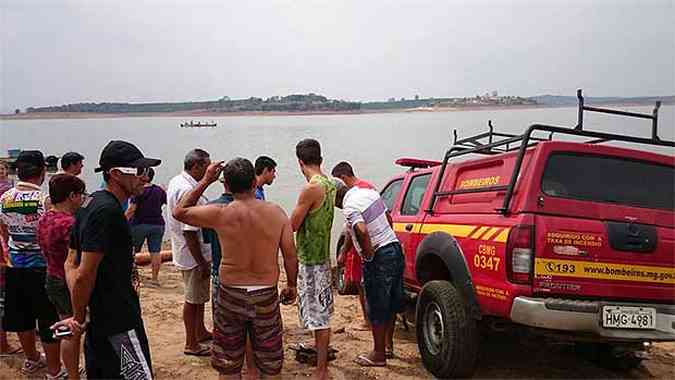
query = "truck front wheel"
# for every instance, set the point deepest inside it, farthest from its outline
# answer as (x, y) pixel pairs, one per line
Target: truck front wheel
(447, 337)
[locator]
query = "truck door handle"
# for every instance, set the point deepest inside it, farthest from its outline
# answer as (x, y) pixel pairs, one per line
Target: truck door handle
(408, 227)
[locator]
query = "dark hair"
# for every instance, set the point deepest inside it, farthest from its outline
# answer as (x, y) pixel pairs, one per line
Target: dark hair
(239, 175)
(69, 159)
(62, 185)
(194, 157)
(106, 176)
(151, 174)
(309, 152)
(343, 169)
(26, 171)
(262, 163)
(340, 192)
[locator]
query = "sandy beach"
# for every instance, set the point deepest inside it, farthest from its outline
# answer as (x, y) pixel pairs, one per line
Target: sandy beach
(503, 356)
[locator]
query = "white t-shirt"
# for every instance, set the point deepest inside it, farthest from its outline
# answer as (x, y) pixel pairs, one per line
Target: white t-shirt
(182, 259)
(366, 206)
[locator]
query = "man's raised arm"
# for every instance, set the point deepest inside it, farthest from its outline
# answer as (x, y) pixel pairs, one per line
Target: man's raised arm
(186, 210)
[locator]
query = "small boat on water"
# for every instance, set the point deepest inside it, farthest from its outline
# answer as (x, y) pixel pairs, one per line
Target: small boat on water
(198, 124)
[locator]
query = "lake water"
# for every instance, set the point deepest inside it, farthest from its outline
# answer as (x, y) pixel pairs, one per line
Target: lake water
(371, 142)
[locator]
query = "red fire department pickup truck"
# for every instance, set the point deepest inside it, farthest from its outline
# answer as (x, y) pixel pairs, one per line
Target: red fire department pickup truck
(572, 239)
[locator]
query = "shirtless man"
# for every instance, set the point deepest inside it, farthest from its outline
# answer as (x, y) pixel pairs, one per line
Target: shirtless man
(250, 233)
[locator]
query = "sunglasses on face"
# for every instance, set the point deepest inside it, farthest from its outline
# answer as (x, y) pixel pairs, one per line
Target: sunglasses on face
(138, 172)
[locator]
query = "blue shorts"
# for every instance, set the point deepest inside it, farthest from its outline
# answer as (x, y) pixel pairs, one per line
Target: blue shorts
(383, 284)
(153, 233)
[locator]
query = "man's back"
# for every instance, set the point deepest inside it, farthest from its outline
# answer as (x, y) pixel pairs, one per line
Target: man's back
(20, 210)
(313, 235)
(250, 240)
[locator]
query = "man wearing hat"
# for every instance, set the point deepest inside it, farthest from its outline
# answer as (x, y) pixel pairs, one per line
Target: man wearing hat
(25, 297)
(99, 271)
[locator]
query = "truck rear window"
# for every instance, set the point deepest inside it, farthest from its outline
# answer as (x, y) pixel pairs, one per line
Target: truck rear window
(610, 180)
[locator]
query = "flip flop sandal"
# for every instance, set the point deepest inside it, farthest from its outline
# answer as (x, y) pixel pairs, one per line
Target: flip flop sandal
(364, 361)
(203, 351)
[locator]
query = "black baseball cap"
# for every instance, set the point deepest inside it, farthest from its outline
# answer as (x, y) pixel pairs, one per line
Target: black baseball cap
(123, 154)
(31, 157)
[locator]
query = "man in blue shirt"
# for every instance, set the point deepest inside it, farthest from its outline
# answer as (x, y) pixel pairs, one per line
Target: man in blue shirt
(265, 173)
(210, 236)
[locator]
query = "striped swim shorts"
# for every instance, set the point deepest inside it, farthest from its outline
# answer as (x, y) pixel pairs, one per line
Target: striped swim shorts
(240, 313)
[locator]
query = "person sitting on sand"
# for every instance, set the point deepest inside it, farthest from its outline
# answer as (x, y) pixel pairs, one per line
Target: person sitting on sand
(250, 232)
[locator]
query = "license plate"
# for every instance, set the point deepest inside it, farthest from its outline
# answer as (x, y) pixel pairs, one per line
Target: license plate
(628, 317)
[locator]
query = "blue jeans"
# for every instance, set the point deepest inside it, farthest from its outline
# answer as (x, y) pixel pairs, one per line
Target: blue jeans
(383, 284)
(153, 233)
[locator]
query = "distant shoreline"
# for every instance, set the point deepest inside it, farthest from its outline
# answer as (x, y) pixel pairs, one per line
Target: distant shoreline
(203, 115)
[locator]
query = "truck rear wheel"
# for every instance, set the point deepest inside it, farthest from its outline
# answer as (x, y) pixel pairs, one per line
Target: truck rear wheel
(447, 337)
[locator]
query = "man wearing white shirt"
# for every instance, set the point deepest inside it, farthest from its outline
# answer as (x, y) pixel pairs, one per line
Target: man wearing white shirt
(369, 225)
(191, 255)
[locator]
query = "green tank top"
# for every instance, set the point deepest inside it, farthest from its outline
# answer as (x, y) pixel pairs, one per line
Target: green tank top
(313, 236)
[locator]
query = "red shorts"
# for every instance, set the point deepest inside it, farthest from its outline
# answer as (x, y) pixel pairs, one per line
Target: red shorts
(353, 270)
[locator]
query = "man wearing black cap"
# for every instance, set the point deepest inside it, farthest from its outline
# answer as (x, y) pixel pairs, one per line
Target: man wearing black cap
(71, 163)
(25, 297)
(99, 271)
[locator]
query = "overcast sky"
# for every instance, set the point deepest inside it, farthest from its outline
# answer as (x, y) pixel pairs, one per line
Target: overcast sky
(57, 52)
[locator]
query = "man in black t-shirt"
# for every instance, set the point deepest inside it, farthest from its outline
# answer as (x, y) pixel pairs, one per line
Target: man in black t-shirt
(99, 271)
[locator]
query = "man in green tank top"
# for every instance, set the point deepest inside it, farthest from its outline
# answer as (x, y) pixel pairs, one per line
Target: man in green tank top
(312, 219)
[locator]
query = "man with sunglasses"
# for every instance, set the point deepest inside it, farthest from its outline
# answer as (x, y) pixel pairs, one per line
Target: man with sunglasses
(99, 271)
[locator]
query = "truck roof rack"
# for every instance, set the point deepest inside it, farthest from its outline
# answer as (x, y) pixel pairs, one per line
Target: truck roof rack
(491, 143)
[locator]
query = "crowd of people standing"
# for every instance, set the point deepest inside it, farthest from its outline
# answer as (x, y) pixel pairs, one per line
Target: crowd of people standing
(74, 252)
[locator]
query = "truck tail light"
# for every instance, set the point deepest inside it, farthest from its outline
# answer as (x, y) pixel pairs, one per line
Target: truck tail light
(520, 254)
